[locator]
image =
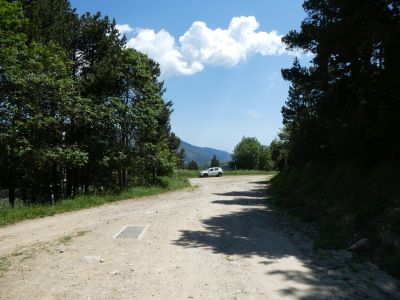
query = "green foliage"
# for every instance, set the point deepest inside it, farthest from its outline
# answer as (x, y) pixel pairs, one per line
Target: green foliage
(174, 144)
(214, 162)
(80, 112)
(343, 203)
(11, 22)
(192, 165)
(187, 173)
(279, 149)
(342, 126)
(265, 161)
(4, 265)
(249, 154)
(330, 237)
(245, 154)
(344, 107)
(22, 212)
(72, 156)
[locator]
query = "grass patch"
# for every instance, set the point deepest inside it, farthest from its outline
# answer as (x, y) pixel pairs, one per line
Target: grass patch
(195, 173)
(4, 265)
(21, 212)
(330, 237)
(188, 173)
(65, 239)
(82, 232)
(346, 202)
(248, 172)
(342, 201)
(16, 253)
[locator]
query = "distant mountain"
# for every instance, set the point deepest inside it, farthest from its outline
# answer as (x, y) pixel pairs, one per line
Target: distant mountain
(203, 155)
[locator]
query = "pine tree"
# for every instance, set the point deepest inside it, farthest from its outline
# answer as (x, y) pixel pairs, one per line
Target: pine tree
(214, 162)
(192, 165)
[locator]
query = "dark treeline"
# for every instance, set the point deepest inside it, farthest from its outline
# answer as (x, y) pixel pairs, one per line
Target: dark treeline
(79, 111)
(345, 106)
(342, 124)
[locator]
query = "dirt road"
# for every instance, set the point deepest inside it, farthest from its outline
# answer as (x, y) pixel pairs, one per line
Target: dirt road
(216, 241)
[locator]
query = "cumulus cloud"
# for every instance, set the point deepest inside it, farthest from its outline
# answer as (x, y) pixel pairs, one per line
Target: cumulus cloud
(161, 47)
(124, 28)
(200, 45)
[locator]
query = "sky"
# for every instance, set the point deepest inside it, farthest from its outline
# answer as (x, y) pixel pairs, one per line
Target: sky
(221, 61)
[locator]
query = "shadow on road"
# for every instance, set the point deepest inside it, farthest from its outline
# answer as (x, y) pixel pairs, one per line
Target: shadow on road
(251, 232)
(254, 193)
(245, 198)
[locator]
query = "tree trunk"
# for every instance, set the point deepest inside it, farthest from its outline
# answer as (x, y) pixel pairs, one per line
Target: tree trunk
(125, 177)
(68, 188)
(23, 195)
(11, 195)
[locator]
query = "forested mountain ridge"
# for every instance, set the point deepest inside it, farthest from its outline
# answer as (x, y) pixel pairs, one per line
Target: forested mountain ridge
(203, 154)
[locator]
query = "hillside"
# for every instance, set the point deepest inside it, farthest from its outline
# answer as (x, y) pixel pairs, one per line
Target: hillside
(203, 154)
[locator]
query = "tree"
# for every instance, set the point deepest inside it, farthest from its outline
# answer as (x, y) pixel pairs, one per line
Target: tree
(77, 105)
(192, 165)
(341, 118)
(265, 161)
(52, 21)
(154, 155)
(181, 159)
(12, 147)
(214, 162)
(279, 149)
(12, 21)
(39, 101)
(246, 153)
(344, 106)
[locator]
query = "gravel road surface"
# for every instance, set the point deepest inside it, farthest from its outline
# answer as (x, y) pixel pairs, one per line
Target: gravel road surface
(216, 241)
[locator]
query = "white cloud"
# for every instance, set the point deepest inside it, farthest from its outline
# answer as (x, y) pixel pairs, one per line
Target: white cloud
(200, 45)
(124, 28)
(161, 47)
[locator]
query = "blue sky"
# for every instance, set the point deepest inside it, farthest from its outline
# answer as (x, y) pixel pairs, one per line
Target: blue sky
(220, 60)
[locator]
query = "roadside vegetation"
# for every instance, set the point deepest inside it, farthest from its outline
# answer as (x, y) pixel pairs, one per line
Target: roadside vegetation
(81, 113)
(249, 154)
(195, 173)
(4, 265)
(248, 172)
(340, 140)
(21, 211)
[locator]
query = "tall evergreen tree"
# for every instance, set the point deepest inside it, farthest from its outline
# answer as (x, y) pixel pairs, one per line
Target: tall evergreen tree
(214, 162)
(77, 106)
(348, 100)
(192, 165)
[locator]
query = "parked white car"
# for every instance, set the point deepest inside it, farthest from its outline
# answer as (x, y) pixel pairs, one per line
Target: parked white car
(215, 171)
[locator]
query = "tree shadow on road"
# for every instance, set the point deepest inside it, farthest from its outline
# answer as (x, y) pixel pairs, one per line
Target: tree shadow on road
(245, 198)
(252, 232)
(261, 182)
(242, 233)
(241, 201)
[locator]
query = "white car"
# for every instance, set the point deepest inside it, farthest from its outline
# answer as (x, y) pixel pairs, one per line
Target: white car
(215, 171)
